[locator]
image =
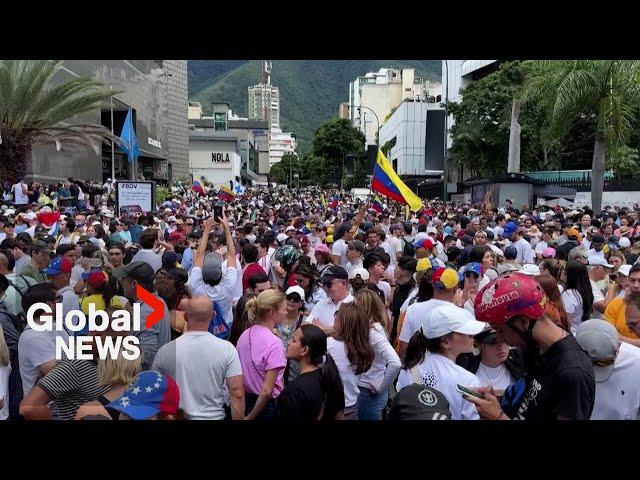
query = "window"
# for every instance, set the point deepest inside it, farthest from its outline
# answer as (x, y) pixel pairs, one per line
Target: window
(220, 122)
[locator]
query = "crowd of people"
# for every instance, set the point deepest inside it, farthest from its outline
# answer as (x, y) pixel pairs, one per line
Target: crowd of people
(303, 304)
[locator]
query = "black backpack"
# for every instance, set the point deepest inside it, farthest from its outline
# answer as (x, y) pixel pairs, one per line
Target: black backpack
(408, 250)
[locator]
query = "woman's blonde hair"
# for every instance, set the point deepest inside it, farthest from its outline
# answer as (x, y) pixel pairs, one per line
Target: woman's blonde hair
(5, 359)
(258, 307)
(119, 371)
(372, 306)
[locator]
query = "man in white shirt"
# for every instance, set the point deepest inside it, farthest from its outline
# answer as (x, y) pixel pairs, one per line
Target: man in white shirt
(445, 284)
(394, 240)
(597, 267)
(206, 277)
(514, 234)
(59, 274)
(37, 349)
(148, 241)
(335, 281)
(20, 191)
(355, 252)
(202, 364)
(543, 244)
(616, 367)
(597, 243)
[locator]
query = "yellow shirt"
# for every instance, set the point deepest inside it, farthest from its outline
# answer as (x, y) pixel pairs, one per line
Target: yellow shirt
(615, 314)
(98, 301)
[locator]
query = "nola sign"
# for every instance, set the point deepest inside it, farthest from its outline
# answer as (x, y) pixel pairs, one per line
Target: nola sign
(220, 157)
(42, 318)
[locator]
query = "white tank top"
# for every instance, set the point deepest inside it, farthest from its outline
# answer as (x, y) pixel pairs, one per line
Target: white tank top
(20, 197)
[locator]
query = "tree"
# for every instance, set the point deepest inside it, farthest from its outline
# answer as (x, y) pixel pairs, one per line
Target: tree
(284, 171)
(312, 169)
(33, 112)
(335, 139)
(608, 90)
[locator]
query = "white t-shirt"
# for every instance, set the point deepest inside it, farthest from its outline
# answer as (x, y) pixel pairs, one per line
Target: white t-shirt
(222, 293)
(35, 349)
(386, 363)
(396, 247)
(498, 377)
(339, 249)
(350, 380)
(618, 397)
(353, 266)
(541, 246)
(386, 247)
(417, 315)
(5, 371)
(325, 310)
(438, 372)
(385, 287)
(572, 301)
(19, 195)
(525, 252)
(200, 363)
(597, 297)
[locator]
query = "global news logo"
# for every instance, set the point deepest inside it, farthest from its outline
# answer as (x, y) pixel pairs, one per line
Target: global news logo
(42, 318)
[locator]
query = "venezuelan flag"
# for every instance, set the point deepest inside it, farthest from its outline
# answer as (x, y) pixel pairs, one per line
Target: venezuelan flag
(376, 205)
(324, 202)
(226, 194)
(197, 187)
(387, 182)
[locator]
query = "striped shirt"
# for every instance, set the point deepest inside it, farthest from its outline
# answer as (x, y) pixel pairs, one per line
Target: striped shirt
(70, 384)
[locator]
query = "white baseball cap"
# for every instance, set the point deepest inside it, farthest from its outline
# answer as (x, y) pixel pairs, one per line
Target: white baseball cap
(171, 219)
(364, 273)
(624, 270)
(624, 242)
(530, 269)
(599, 339)
(282, 237)
(432, 230)
(289, 228)
(597, 260)
(296, 289)
(449, 319)
(30, 216)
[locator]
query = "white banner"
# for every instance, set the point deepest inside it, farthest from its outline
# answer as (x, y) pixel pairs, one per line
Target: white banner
(135, 197)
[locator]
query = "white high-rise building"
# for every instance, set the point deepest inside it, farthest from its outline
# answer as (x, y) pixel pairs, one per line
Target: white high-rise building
(280, 143)
(382, 92)
(264, 104)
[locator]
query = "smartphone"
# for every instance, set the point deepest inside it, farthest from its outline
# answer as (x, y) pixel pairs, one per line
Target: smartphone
(466, 391)
(217, 213)
(95, 262)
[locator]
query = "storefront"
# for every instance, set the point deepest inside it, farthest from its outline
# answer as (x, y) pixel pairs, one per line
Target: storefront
(214, 156)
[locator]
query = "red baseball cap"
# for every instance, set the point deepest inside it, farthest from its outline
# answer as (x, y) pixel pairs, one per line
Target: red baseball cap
(97, 279)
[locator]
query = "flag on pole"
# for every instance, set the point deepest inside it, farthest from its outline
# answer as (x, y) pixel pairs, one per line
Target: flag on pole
(238, 189)
(129, 139)
(226, 194)
(407, 213)
(197, 187)
(324, 201)
(386, 181)
(334, 202)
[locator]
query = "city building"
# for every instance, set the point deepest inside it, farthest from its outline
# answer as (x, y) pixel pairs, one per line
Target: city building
(415, 133)
(156, 92)
(379, 93)
(264, 104)
(343, 110)
(280, 143)
(223, 147)
(456, 76)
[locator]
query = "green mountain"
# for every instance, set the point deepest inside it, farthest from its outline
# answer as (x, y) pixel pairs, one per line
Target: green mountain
(310, 90)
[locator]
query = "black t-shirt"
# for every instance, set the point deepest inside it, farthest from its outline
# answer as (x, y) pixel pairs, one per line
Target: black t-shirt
(75, 191)
(302, 398)
(561, 385)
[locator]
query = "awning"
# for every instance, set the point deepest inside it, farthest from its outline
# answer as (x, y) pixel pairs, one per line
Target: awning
(554, 191)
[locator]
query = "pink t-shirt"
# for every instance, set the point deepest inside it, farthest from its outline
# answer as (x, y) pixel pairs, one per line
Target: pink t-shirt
(260, 350)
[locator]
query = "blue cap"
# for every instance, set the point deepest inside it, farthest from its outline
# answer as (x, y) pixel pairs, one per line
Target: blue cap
(510, 253)
(149, 394)
(474, 267)
(448, 229)
(509, 229)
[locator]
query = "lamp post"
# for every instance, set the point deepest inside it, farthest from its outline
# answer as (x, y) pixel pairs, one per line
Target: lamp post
(446, 127)
(377, 120)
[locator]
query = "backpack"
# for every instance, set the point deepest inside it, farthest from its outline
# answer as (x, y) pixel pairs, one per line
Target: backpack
(217, 325)
(20, 321)
(408, 250)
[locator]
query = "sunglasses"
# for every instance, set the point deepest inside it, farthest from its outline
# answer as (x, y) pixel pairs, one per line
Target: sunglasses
(471, 275)
(327, 285)
(293, 297)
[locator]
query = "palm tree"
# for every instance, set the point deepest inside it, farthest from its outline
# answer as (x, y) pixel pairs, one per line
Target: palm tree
(608, 90)
(33, 112)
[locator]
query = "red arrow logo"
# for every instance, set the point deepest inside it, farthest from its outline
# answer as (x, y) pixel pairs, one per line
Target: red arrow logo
(154, 302)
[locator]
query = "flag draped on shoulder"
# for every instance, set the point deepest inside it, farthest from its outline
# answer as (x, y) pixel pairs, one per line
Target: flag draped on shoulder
(386, 181)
